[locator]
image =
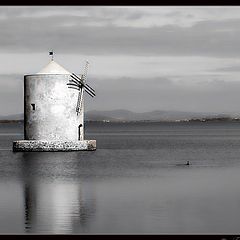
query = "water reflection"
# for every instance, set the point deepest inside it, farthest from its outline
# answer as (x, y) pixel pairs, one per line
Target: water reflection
(55, 204)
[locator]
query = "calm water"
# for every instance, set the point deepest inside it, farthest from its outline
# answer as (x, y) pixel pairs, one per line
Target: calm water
(134, 183)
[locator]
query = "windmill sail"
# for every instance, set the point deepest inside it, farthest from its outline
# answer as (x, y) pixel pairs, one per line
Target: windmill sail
(79, 84)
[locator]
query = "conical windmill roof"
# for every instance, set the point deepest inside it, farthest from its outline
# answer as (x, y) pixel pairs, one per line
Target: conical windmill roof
(53, 68)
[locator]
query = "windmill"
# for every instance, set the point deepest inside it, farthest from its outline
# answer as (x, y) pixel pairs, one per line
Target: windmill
(79, 84)
(41, 132)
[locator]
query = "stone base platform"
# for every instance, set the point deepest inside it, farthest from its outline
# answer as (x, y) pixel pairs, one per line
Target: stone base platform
(53, 146)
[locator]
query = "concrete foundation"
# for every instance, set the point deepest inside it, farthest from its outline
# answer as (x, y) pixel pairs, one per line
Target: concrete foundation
(53, 146)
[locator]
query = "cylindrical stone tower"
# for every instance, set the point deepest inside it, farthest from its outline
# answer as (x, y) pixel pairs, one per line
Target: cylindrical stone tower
(50, 106)
(50, 111)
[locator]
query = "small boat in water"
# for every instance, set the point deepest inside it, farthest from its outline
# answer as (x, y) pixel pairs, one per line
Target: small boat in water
(184, 164)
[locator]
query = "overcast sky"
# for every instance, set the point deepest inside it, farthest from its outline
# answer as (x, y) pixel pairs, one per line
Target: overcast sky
(141, 58)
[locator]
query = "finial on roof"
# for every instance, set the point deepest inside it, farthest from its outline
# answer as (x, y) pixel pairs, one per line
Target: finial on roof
(51, 54)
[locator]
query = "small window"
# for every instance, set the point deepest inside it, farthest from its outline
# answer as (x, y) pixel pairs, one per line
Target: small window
(33, 106)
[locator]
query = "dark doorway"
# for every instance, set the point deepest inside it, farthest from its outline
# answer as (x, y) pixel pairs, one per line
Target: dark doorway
(79, 133)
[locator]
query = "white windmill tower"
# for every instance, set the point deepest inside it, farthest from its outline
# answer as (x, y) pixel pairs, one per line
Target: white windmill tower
(52, 122)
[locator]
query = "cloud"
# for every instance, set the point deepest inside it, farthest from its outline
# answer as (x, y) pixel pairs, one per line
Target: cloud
(215, 95)
(142, 59)
(228, 69)
(99, 35)
(141, 94)
(11, 94)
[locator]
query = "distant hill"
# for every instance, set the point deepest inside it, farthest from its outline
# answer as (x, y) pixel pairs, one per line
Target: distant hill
(125, 115)
(19, 116)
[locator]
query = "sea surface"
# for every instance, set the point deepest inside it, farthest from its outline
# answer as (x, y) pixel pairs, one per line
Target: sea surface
(135, 182)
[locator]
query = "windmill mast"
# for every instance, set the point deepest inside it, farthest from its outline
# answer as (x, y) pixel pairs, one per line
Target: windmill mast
(84, 76)
(81, 104)
(79, 107)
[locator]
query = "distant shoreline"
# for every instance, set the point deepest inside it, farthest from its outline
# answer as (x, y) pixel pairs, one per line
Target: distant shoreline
(202, 120)
(11, 121)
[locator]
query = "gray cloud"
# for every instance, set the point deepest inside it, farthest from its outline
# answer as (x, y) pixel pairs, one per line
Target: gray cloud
(11, 94)
(110, 37)
(139, 95)
(228, 69)
(80, 34)
(214, 96)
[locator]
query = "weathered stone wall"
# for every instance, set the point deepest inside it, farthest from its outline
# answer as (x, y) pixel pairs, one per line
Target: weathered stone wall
(54, 117)
(43, 146)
